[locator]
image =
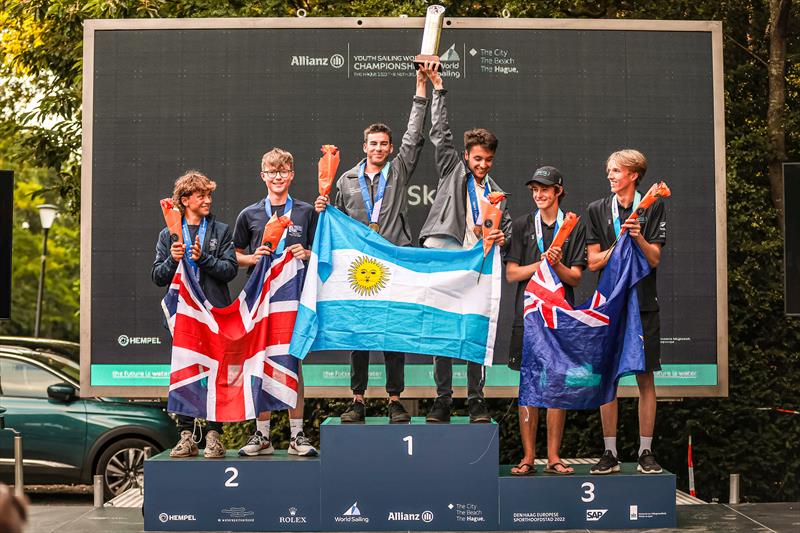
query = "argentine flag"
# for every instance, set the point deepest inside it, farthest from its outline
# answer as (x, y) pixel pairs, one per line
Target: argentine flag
(364, 293)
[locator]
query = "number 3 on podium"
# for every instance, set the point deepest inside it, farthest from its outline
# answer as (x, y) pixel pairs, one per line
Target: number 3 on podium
(588, 492)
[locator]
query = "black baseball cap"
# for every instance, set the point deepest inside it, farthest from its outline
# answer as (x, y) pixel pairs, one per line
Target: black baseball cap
(546, 176)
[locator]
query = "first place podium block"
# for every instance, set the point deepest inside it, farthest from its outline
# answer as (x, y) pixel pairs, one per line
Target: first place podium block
(277, 492)
(380, 476)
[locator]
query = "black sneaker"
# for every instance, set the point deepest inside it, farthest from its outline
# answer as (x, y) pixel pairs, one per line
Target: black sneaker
(478, 413)
(398, 413)
(648, 463)
(606, 465)
(354, 414)
(439, 413)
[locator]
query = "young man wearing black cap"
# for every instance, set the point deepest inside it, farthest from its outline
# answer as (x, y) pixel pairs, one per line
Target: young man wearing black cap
(454, 222)
(607, 217)
(531, 236)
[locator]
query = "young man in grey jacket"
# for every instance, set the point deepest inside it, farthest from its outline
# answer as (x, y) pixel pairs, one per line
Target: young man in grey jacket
(454, 222)
(375, 192)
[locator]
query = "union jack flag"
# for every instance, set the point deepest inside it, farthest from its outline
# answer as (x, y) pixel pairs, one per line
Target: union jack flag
(545, 293)
(230, 363)
(572, 358)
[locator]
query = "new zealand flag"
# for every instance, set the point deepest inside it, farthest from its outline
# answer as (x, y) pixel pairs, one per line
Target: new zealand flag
(230, 363)
(573, 358)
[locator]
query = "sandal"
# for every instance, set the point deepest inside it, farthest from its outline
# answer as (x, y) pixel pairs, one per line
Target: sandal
(524, 469)
(559, 468)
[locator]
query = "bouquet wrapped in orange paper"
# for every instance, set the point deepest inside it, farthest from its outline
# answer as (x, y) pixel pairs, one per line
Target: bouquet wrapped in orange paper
(274, 230)
(570, 221)
(328, 164)
(658, 190)
(172, 216)
(491, 217)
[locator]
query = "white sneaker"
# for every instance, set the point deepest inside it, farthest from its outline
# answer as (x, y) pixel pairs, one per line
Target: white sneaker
(257, 445)
(300, 445)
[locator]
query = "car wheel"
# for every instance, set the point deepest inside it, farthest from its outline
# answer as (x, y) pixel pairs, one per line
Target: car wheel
(122, 466)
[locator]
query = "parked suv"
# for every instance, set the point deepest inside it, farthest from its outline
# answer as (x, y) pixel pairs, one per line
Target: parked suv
(68, 439)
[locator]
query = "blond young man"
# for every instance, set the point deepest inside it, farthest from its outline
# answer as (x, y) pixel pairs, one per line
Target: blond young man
(277, 172)
(607, 216)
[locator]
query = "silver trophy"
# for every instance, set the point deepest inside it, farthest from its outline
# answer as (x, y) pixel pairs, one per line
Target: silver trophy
(434, 18)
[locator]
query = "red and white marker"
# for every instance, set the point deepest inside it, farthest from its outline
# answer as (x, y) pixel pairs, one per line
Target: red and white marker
(691, 470)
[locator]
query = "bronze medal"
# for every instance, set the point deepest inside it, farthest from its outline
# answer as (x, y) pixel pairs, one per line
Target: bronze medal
(374, 226)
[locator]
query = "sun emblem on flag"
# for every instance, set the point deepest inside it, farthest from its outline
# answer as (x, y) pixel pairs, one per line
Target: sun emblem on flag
(367, 276)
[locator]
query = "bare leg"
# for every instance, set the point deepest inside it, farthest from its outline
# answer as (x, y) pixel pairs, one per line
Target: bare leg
(609, 415)
(555, 431)
(297, 411)
(528, 420)
(647, 403)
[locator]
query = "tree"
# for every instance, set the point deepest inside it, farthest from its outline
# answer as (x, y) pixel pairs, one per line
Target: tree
(62, 281)
(778, 31)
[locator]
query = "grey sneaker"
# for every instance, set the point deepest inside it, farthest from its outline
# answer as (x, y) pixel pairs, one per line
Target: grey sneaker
(214, 448)
(186, 447)
(258, 444)
(606, 465)
(300, 445)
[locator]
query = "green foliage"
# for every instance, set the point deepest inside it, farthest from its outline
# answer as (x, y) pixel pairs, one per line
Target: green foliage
(61, 291)
(41, 54)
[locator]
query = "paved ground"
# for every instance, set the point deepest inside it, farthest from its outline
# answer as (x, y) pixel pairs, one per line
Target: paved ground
(761, 517)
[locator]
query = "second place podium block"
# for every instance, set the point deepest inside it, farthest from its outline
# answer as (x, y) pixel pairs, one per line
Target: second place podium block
(417, 476)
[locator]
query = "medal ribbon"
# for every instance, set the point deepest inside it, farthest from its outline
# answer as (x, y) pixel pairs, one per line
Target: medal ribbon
(539, 233)
(187, 241)
(287, 212)
(373, 211)
(615, 211)
(473, 198)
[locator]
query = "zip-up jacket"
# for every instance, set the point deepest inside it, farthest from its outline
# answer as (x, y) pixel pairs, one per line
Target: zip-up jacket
(217, 263)
(448, 215)
(393, 218)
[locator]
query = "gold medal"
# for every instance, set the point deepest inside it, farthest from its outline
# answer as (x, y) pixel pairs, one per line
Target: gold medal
(374, 226)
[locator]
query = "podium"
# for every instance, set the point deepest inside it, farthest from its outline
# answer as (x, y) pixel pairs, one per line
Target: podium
(626, 500)
(277, 492)
(378, 476)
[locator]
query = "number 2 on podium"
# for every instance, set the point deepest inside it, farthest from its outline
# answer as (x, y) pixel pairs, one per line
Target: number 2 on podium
(410, 442)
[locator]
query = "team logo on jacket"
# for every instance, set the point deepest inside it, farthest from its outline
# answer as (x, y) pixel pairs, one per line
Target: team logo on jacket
(367, 276)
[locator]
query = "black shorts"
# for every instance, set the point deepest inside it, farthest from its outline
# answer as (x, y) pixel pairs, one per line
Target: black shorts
(651, 330)
(515, 348)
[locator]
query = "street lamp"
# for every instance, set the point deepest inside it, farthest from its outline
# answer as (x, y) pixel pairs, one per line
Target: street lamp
(47, 214)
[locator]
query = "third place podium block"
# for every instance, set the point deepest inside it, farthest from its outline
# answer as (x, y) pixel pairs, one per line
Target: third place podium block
(626, 500)
(417, 476)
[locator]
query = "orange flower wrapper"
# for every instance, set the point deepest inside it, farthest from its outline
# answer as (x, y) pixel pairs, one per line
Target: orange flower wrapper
(570, 221)
(273, 231)
(326, 170)
(172, 216)
(658, 190)
(491, 218)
